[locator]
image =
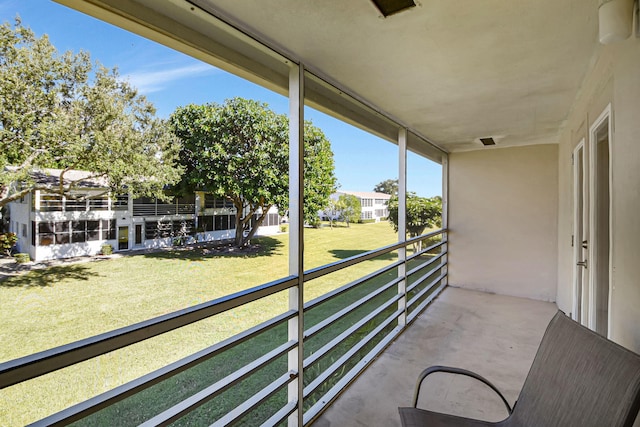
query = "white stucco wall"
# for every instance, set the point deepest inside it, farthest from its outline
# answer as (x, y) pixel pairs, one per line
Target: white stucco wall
(502, 219)
(615, 79)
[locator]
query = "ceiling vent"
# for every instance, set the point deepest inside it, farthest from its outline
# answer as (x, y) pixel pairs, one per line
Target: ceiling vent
(487, 141)
(390, 7)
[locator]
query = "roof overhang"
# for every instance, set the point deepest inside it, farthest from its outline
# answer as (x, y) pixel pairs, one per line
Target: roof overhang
(450, 71)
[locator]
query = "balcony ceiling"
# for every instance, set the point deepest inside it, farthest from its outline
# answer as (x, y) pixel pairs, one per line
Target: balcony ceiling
(451, 70)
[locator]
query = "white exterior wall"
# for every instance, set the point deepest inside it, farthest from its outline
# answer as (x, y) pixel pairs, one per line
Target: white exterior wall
(614, 79)
(19, 215)
(503, 220)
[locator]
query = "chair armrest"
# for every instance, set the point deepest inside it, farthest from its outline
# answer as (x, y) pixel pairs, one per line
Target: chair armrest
(447, 369)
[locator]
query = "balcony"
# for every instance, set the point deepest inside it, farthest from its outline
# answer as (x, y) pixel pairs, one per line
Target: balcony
(494, 335)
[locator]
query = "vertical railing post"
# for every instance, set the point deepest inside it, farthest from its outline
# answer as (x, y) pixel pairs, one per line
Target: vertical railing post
(445, 218)
(402, 224)
(296, 235)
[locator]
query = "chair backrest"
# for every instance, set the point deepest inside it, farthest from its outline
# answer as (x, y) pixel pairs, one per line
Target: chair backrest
(579, 378)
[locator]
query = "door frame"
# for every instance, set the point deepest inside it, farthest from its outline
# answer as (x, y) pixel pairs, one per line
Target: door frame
(605, 115)
(580, 296)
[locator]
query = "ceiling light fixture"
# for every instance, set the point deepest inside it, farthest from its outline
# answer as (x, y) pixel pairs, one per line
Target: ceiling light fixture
(390, 7)
(487, 141)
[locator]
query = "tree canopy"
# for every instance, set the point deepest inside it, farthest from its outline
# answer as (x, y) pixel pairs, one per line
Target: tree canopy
(388, 186)
(239, 150)
(422, 213)
(62, 111)
(349, 208)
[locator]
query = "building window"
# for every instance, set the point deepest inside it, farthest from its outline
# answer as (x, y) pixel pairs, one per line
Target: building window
(366, 203)
(366, 215)
(108, 229)
(269, 220)
(93, 230)
(62, 232)
(381, 213)
(205, 223)
(184, 227)
(381, 202)
(24, 230)
(78, 231)
(45, 233)
(221, 222)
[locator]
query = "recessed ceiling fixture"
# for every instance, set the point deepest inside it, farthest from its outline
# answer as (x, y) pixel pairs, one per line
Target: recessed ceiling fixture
(389, 7)
(487, 141)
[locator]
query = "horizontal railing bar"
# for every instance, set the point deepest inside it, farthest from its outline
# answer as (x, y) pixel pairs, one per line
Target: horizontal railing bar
(322, 351)
(281, 415)
(34, 365)
(426, 289)
(348, 309)
(347, 262)
(425, 303)
(350, 376)
(88, 407)
(425, 276)
(425, 264)
(342, 289)
(349, 354)
(426, 250)
(234, 416)
(179, 410)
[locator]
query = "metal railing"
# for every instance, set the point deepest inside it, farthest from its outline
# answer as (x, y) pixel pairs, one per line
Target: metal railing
(345, 329)
(160, 209)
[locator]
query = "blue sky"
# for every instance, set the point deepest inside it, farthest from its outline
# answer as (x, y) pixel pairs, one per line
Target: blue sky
(170, 79)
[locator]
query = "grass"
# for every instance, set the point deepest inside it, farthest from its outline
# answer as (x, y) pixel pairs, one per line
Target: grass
(52, 307)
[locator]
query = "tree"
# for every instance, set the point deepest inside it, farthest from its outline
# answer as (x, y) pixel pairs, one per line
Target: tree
(240, 151)
(388, 186)
(422, 213)
(349, 207)
(60, 111)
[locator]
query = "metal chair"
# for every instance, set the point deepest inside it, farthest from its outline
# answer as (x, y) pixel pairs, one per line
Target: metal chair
(578, 379)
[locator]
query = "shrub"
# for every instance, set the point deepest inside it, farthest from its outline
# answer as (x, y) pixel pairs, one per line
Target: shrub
(7, 242)
(22, 258)
(284, 228)
(106, 249)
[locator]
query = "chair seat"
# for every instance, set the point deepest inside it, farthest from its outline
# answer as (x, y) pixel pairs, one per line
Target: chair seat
(415, 417)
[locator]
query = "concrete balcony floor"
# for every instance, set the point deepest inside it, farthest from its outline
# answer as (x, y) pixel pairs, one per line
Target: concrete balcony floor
(495, 336)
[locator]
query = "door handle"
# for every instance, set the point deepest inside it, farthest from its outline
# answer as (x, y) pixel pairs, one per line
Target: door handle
(584, 244)
(582, 263)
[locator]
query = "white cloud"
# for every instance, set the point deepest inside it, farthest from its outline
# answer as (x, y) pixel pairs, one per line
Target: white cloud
(157, 80)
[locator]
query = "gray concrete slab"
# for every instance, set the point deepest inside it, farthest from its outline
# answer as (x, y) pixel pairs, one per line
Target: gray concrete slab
(495, 336)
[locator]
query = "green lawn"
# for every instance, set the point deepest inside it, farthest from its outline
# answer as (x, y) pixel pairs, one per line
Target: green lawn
(51, 307)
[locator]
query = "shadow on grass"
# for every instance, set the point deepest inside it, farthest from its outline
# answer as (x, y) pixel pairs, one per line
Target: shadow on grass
(348, 253)
(48, 276)
(262, 246)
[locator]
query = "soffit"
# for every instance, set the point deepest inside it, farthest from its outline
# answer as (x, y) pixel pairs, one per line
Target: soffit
(450, 70)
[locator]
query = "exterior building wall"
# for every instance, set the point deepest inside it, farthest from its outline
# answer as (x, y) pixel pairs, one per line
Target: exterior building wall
(135, 218)
(373, 206)
(612, 80)
(20, 222)
(503, 220)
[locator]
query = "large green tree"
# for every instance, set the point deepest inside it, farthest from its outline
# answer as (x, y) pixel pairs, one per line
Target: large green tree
(59, 110)
(422, 213)
(239, 150)
(388, 186)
